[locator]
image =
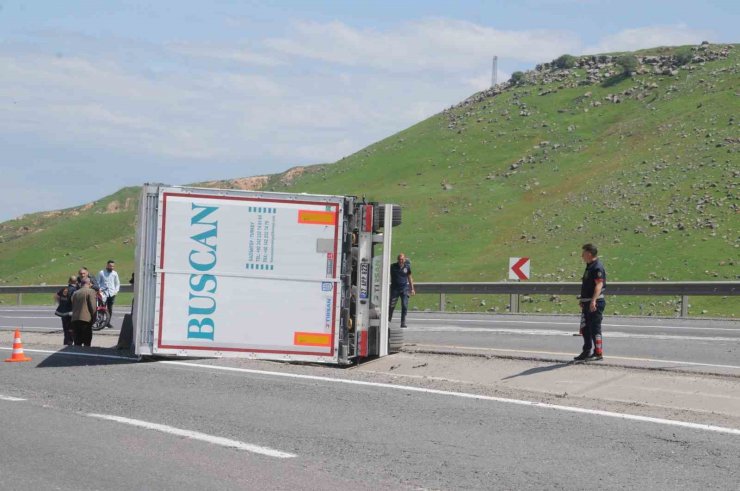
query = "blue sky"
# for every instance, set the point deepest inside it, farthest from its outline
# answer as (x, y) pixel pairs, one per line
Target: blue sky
(97, 95)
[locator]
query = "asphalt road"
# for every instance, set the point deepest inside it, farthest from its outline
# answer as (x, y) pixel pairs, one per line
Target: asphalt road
(42, 319)
(711, 345)
(84, 422)
(699, 344)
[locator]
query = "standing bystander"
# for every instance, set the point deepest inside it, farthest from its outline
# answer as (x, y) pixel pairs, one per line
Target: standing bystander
(64, 309)
(402, 284)
(592, 303)
(84, 306)
(109, 284)
(85, 273)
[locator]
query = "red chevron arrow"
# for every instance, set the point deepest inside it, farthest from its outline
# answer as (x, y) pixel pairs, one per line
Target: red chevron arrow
(515, 268)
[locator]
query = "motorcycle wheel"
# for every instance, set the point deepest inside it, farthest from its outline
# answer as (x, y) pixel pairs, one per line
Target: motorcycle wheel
(101, 320)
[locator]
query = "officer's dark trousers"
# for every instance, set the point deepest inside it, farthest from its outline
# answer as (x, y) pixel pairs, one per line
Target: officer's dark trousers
(592, 330)
(404, 296)
(82, 332)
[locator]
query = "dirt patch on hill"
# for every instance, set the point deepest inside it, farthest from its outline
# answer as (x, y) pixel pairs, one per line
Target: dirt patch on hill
(291, 174)
(250, 183)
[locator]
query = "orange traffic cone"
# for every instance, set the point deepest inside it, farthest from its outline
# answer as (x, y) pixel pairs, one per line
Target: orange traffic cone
(18, 348)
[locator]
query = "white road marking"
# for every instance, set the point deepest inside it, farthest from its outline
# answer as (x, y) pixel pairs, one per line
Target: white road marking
(50, 316)
(558, 353)
(575, 323)
(196, 435)
(629, 417)
(10, 398)
(553, 332)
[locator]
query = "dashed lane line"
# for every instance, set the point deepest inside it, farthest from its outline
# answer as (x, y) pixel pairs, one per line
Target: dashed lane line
(11, 398)
(196, 435)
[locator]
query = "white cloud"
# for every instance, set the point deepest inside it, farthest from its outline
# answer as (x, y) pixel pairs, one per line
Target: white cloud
(316, 152)
(225, 53)
(321, 92)
(649, 37)
(483, 80)
(428, 44)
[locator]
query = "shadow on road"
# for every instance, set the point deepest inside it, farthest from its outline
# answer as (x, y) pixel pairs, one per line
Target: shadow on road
(73, 356)
(532, 371)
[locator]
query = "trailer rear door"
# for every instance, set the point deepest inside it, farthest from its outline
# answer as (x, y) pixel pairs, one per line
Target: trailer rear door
(246, 275)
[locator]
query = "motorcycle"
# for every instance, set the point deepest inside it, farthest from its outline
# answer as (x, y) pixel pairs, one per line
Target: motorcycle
(102, 316)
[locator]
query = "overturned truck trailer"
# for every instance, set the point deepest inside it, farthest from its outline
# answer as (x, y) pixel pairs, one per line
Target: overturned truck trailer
(274, 276)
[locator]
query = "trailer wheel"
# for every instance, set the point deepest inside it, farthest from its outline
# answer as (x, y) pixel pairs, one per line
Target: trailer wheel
(395, 339)
(379, 216)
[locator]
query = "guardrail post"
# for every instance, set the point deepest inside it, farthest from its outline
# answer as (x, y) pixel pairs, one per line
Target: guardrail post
(684, 305)
(19, 299)
(442, 302)
(514, 303)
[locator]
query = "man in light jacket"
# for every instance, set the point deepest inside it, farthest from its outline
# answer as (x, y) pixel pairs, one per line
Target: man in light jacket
(109, 284)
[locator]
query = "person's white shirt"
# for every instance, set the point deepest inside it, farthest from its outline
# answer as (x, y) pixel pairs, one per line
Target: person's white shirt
(108, 282)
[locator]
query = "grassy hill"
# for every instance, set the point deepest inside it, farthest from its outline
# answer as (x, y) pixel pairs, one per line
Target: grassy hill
(645, 166)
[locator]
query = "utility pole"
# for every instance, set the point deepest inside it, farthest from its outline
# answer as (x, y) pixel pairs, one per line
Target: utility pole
(494, 73)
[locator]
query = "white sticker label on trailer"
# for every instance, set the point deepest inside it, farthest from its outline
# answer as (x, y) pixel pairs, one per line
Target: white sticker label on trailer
(364, 280)
(244, 274)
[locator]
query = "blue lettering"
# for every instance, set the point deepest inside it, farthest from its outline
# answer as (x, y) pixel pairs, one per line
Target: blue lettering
(194, 310)
(202, 281)
(202, 266)
(204, 236)
(202, 258)
(201, 329)
(206, 210)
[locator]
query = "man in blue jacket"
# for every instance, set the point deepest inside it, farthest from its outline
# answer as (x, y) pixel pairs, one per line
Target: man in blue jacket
(402, 284)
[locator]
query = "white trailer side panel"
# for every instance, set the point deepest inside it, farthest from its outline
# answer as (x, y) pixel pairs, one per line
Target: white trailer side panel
(247, 275)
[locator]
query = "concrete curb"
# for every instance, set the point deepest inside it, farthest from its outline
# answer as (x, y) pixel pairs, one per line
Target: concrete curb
(604, 363)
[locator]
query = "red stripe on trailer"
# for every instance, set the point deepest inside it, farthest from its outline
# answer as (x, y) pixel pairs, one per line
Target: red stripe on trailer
(363, 343)
(369, 218)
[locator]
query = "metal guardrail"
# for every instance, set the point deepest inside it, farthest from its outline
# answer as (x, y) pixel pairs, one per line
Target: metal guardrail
(515, 289)
(50, 289)
(643, 288)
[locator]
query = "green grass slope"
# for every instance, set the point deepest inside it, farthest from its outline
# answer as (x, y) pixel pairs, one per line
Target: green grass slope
(644, 166)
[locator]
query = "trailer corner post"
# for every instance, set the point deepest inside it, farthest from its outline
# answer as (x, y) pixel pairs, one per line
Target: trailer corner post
(385, 280)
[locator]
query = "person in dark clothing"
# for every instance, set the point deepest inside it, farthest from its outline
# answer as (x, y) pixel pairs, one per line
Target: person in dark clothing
(84, 307)
(591, 300)
(402, 284)
(64, 310)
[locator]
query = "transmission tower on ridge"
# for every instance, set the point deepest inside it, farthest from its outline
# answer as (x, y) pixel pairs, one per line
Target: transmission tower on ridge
(494, 73)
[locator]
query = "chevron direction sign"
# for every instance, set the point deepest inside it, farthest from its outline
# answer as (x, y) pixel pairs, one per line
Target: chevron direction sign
(518, 268)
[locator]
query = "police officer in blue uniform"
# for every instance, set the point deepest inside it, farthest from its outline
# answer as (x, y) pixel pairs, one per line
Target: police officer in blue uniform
(402, 284)
(593, 286)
